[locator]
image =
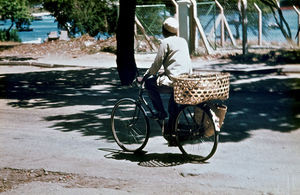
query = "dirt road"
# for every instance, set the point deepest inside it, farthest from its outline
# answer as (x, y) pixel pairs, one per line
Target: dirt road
(55, 139)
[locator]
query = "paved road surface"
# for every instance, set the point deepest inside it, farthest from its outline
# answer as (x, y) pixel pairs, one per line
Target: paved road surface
(58, 120)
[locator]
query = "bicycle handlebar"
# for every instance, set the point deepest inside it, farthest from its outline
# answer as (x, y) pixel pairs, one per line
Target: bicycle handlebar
(139, 79)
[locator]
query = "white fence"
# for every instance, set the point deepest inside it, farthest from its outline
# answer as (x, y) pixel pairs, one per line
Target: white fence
(219, 35)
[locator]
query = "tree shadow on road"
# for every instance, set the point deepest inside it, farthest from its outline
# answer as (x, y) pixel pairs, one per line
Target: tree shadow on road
(273, 57)
(256, 101)
(93, 92)
(15, 58)
(261, 102)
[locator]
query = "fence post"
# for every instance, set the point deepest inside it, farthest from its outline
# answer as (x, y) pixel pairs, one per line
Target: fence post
(176, 12)
(193, 28)
(183, 19)
(222, 31)
(259, 24)
(224, 24)
(139, 25)
(298, 33)
(176, 9)
(197, 23)
(244, 26)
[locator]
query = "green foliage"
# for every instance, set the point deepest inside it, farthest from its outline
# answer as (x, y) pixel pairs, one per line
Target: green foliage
(13, 36)
(153, 2)
(35, 2)
(84, 16)
(15, 10)
(151, 18)
(290, 2)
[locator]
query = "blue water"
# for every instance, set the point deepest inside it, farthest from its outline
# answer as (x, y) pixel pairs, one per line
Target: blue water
(41, 28)
(269, 34)
(276, 35)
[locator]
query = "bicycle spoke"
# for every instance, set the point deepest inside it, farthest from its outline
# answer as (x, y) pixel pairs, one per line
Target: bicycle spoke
(129, 125)
(191, 136)
(133, 137)
(136, 130)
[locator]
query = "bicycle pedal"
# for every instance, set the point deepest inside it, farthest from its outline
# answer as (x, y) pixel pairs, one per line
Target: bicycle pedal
(154, 117)
(140, 152)
(172, 143)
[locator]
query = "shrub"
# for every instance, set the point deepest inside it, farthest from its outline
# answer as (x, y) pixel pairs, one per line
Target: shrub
(12, 36)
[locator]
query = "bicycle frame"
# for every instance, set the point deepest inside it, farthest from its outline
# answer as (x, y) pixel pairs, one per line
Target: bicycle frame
(132, 135)
(143, 102)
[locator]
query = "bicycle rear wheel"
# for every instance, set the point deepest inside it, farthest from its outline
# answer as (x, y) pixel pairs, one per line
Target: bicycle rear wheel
(196, 133)
(130, 125)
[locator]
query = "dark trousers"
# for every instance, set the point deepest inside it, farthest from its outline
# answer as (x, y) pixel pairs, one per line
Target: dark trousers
(154, 94)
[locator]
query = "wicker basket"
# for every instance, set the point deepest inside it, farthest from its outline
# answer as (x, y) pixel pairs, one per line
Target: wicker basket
(196, 88)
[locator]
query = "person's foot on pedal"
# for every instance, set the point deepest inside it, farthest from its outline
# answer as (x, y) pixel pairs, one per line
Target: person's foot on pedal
(171, 138)
(172, 142)
(167, 136)
(160, 116)
(166, 132)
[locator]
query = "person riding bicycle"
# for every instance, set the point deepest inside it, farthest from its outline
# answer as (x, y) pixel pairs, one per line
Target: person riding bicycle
(173, 56)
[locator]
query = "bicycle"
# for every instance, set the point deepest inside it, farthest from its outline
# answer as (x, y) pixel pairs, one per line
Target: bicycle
(131, 127)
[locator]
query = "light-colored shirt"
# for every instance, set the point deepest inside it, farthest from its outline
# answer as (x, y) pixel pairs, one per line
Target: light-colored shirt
(173, 55)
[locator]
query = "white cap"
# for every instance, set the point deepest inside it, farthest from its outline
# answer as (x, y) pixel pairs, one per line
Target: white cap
(171, 25)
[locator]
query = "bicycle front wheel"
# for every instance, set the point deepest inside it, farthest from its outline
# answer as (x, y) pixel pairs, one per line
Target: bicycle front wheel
(196, 133)
(130, 125)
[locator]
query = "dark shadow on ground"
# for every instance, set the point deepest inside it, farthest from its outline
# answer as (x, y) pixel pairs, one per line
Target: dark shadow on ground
(257, 103)
(275, 57)
(261, 103)
(56, 89)
(149, 160)
(15, 58)
(5, 47)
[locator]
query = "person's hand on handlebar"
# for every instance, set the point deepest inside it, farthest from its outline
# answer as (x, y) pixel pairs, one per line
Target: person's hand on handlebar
(140, 79)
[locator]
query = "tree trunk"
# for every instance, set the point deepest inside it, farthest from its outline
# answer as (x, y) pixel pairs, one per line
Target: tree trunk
(281, 22)
(8, 30)
(125, 42)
